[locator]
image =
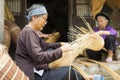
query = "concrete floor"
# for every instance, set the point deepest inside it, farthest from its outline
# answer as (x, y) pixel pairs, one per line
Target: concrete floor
(93, 68)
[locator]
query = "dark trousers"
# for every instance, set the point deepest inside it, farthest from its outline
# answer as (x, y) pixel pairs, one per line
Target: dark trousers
(109, 45)
(60, 74)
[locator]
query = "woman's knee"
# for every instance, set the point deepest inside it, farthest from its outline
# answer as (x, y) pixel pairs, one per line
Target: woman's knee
(110, 37)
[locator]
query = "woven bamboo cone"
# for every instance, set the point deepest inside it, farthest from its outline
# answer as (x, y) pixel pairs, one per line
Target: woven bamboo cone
(86, 41)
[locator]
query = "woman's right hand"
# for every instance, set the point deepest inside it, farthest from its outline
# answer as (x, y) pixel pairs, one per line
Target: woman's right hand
(66, 47)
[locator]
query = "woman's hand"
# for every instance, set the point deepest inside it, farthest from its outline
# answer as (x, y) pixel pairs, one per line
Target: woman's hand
(44, 35)
(101, 32)
(66, 47)
(63, 43)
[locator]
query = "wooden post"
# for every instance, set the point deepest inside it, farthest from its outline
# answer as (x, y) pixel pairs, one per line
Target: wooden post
(70, 13)
(1, 21)
(23, 9)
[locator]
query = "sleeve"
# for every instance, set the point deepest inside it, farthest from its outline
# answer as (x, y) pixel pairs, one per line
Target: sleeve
(46, 45)
(95, 29)
(113, 31)
(37, 53)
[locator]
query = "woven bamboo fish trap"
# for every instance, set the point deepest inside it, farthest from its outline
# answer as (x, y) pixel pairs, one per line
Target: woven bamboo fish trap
(53, 37)
(83, 39)
(86, 41)
(14, 30)
(7, 37)
(8, 69)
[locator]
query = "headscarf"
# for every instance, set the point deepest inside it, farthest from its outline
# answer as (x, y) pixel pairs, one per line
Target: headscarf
(36, 9)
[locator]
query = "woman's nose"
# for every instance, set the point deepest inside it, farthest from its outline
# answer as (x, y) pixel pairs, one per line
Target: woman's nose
(45, 22)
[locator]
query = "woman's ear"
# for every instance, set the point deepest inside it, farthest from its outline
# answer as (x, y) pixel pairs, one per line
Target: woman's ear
(33, 18)
(107, 21)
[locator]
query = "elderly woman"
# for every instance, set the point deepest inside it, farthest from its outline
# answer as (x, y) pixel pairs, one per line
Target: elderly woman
(108, 33)
(32, 54)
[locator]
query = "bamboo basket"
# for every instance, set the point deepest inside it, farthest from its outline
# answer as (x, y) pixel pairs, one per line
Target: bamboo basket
(7, 37)
(14, 30)
(8, 69)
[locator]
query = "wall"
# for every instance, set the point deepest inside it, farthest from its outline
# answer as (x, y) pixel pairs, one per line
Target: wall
(2, 21)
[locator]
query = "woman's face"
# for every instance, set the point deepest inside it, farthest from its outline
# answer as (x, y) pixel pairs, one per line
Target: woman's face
(102, 22)
(40, 22)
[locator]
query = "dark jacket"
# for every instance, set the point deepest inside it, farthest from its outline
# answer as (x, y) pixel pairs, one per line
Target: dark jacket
(32, 51)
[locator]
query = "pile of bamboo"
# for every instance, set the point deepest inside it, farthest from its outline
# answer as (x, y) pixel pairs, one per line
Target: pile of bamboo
(53, 37)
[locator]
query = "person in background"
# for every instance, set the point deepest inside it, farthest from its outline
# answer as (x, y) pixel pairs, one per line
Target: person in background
(33, 54)
(108, 33)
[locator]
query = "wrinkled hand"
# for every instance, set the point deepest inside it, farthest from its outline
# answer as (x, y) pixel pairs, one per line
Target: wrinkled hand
(95, 34)
(99, 32)
(43, 35)
(63, 43)
(66, 47)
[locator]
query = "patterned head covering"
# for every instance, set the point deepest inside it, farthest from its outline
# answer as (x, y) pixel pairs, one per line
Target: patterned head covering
(36, 9)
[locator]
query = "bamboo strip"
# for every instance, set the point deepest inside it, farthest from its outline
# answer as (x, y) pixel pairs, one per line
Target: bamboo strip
(13, 78)
(6, 71)
(81, 29)
(84, 75)
(87, 24)
(84, 63)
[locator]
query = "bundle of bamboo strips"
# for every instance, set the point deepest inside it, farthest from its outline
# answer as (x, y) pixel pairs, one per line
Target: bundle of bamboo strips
(53, 37)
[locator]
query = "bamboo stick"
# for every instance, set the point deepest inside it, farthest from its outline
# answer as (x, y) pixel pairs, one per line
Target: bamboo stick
(84, 63)
(84, 75)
